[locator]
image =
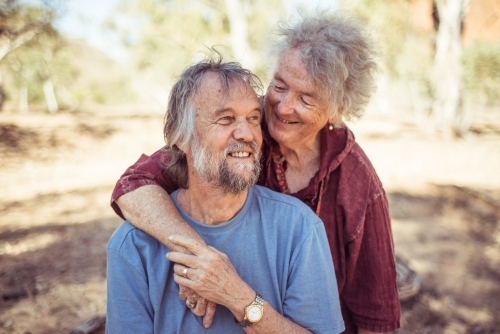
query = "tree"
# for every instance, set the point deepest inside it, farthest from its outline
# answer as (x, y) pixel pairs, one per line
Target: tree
(169, 35)
(19, 24)
(237, 17)
(446, 76)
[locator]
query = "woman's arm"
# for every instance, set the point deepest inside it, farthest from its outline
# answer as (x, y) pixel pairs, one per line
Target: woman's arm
(151, 209)
(141, 196)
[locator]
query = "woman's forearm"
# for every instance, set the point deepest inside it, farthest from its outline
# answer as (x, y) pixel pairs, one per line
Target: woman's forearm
(151, 209)
(274, 322)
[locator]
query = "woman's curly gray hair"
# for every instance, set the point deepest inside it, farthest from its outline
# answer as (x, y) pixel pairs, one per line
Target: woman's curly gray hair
(339, 56)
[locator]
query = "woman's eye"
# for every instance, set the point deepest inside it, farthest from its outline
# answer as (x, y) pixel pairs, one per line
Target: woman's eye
(305, 102)
(279, 88)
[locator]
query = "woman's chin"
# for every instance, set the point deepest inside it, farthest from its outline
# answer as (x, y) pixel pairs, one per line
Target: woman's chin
(279, 135)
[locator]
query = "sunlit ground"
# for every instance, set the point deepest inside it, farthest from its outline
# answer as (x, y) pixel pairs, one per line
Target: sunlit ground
(57, 173)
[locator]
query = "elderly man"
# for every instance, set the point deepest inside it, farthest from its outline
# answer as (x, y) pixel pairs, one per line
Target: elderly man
(276, 247)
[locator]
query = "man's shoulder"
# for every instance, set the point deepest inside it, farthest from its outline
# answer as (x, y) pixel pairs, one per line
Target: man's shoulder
(282, 202)
(277, 197)
(125, 235)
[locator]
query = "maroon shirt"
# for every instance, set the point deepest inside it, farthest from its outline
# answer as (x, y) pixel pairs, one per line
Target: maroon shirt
(349, 198)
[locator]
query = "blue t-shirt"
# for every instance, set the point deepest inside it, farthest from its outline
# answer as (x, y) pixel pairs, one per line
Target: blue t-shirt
(277, 245)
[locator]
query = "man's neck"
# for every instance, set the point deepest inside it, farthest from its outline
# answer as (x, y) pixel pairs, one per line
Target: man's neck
(210, 205)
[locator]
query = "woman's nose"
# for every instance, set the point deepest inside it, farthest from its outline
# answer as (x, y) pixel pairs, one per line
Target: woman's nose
(286, 105)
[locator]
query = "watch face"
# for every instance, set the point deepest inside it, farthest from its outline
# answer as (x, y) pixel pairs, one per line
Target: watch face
(254, 313)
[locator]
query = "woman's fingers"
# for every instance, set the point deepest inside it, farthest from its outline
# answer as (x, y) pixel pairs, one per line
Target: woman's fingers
(190, 261)
(191, 244)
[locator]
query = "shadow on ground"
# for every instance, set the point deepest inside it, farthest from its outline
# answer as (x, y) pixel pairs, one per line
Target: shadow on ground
(451, 235)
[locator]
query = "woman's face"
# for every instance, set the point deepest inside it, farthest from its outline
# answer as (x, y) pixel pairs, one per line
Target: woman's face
(295, 112)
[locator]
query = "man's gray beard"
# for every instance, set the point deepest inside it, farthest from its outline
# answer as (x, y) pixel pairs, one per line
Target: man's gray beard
(215, 169)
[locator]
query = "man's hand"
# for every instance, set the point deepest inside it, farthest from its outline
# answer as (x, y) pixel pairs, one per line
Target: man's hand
(202, 307)
(211, 274)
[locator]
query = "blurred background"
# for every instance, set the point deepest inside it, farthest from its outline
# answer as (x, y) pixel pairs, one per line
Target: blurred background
(83, 91)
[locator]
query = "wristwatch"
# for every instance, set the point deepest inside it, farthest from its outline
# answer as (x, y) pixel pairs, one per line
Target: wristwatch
(253, 312)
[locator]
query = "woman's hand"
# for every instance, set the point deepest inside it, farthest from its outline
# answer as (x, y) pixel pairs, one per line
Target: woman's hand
(210, 274)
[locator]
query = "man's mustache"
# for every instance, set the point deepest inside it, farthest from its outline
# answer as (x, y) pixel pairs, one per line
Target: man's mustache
(238, 146)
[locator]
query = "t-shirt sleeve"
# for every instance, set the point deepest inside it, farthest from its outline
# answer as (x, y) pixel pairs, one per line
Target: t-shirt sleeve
(312, 298)
(129, 309)
(370, 292)
(148, 170)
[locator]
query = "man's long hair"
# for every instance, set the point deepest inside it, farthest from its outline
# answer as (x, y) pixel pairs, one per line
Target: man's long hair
(180, 127)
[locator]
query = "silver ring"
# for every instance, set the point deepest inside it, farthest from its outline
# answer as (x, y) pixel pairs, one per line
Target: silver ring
(185, 272)
(189, 304)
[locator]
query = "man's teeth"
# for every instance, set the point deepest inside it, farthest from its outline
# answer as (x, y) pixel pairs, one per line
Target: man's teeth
(240, 154)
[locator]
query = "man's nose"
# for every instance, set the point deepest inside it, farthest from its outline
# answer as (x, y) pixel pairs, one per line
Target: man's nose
(243, 132)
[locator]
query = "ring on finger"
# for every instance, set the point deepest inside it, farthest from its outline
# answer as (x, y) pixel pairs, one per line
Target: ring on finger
(189, 304)
(185, 272)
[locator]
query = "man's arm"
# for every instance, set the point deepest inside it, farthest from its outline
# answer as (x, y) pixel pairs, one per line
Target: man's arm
(141, 197)
(128, 308)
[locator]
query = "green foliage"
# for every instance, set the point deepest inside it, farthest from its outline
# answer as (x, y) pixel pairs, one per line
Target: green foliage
(481, 74)
(171, 35)
(171, 32)
(406, 53)
(46, 56)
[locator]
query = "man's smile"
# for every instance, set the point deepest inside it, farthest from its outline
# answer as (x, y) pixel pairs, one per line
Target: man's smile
(239, 154)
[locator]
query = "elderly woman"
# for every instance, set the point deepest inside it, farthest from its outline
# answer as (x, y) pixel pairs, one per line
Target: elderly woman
(324, 75)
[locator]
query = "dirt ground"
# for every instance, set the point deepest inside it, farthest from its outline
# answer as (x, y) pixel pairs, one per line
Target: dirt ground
(57, 173)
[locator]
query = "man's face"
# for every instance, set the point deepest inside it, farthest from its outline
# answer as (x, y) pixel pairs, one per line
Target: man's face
(226, 147)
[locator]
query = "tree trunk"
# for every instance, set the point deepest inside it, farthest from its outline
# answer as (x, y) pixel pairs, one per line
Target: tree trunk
(50, 97)
(239, 34)
(23, 98)
(446, 76)
(2, 92)
(7, 45)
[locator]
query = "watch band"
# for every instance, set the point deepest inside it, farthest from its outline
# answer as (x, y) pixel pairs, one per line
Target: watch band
(259, 302)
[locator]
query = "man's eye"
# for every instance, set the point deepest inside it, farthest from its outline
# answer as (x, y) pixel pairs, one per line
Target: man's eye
(279, 88)
(225, 120)
(254, 119)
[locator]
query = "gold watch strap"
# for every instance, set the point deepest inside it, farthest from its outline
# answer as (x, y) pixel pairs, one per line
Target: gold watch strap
(258, 301)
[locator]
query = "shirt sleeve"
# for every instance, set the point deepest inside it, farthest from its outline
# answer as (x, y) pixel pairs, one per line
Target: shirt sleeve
(129, 309)
(301, 304)
(148, 170)
(370, 292)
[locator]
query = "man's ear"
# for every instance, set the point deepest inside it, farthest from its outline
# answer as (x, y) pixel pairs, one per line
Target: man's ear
(176, 148)
(184, 148)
